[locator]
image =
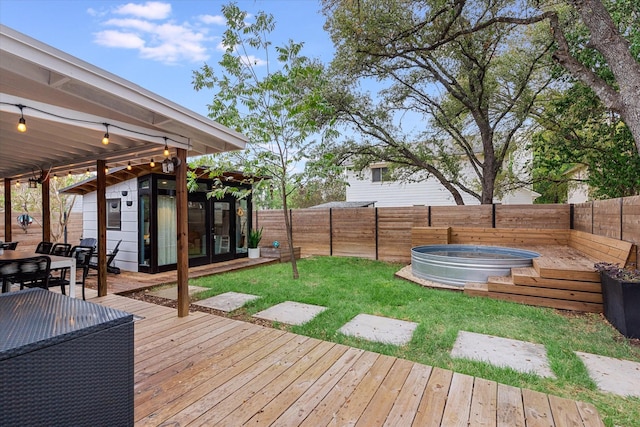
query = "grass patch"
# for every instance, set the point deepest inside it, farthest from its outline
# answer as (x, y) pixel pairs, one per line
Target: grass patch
(349, 286)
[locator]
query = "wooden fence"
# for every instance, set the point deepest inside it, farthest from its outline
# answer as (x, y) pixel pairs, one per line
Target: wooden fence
(385, 233)
(29, 240)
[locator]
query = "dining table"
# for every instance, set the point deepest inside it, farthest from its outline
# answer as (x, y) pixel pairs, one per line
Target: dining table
(56, 263)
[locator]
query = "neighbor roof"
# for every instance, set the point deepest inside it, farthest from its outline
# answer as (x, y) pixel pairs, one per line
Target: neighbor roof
(343, 205)
(66, 104)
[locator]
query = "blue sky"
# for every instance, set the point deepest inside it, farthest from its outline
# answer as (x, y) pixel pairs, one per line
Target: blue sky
(157, 44)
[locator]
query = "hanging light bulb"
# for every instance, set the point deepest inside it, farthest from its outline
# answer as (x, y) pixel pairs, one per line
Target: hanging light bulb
(55, 177)
(105, 138)
(87, 173)
(166, 148)
(18, 184)
(129, 166)
(152, 163)
(106, 169)
(22, 123)
(69, 174)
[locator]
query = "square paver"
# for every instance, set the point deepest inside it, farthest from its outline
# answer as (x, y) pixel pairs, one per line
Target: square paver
(521, 356)
(380, 329)
(291, 313)
(621, 377)
(227, 301)
(172, 292)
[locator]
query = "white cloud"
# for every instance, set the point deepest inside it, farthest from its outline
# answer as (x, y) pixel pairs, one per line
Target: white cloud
(253, 60)
(135, 24)
(148, 10)
(212, 19)
(119, 39)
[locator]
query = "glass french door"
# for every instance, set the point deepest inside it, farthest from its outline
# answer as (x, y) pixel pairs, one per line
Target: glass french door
(222, 228)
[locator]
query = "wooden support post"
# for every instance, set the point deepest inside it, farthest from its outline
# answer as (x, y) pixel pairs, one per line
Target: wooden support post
(182, 228)
(330, 231)
(7, 210)
(46, 210)
(101, 206)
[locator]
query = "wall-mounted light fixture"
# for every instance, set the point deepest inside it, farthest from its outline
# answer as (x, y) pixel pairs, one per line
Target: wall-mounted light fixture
(124, 193)
(33, 183)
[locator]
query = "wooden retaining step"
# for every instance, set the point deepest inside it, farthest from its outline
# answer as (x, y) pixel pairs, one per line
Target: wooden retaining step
(528, 276)
(548, 302)
(532, 291)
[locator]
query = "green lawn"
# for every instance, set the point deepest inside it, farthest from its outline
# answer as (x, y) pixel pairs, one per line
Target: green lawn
(349, 286)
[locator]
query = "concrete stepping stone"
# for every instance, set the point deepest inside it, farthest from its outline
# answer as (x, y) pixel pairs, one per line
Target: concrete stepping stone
(227, 301)
(621, 377)
(518, 355)
(379, 329)
(291, 313)
(172, 292)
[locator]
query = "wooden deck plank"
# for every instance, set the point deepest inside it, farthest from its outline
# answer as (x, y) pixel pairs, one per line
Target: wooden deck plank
(434, 398)
(408, 400)
(565, 412)
(528, 276)
(589, 415)
(230, 399)
(537, 412)
(325, 411)
(483, 403)
(152, 394)
(364, 392)
(320, 357)
(510, 411)
(312, 385)
(458, 406)
(532, 291)
(250, 375)
(383, 401)
(193, 401)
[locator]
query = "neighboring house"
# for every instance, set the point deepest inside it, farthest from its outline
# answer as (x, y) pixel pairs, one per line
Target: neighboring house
(374, 183)
(141, 211)
(577, 188)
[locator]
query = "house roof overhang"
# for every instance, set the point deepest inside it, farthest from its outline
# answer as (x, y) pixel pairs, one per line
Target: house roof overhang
(66, 104)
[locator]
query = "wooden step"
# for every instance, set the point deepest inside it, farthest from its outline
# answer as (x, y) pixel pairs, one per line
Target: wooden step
(550, 269)
(506, 280)
(548, 302)
(560, 294)
(528, 276)
(476, 289)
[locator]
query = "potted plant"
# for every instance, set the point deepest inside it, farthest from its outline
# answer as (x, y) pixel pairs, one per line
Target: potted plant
(621, 297)
(255, 236)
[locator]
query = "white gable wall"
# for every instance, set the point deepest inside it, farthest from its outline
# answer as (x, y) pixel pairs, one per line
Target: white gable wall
(127, 257)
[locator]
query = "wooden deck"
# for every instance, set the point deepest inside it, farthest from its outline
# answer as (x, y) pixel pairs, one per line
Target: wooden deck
(208, 370)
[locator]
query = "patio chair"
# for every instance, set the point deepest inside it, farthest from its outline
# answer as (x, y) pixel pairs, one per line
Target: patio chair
(32, 272)
(83, 255)
(44, 248)
(88, 241)
(61, 249)
(110, 257)
(9, 246)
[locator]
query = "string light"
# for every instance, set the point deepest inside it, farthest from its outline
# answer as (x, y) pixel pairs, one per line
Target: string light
(152, 163)
(22, 123)
(18, 184)
(55, 177)
(166, 148)
(87, 173)
(69, 174)
(106, 169)
(129, 166)
(105, 138)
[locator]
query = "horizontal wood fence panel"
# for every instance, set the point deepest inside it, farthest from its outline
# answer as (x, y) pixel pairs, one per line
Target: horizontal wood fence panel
(607, 218)
(354, 232)
(600, 247)
(582, 217)
(505, 236)
(422, 236)
(394, 231)
(311, 231)
(533, 216)
(468, 216)
(273, 227)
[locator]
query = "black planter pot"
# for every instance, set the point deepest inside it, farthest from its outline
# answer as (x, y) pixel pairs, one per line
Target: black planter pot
(621, 302)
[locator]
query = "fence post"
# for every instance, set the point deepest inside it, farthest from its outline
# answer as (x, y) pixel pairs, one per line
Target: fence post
(376, 233)
(493, 215)
(571, 214)
(429, 215)
(330, 231)
(621, 222)
(592, 217)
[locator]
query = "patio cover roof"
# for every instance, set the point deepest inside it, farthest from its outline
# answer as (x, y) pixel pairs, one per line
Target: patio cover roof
(66, 104)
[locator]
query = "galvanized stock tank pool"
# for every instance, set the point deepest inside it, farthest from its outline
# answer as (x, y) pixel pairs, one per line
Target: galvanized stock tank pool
(457, 264)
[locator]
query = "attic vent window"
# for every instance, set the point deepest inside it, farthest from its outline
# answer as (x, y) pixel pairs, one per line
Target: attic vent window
(113, 214)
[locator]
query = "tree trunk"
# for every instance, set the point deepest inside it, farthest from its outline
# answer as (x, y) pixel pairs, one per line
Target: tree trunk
(289, 227)
(607, 40)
